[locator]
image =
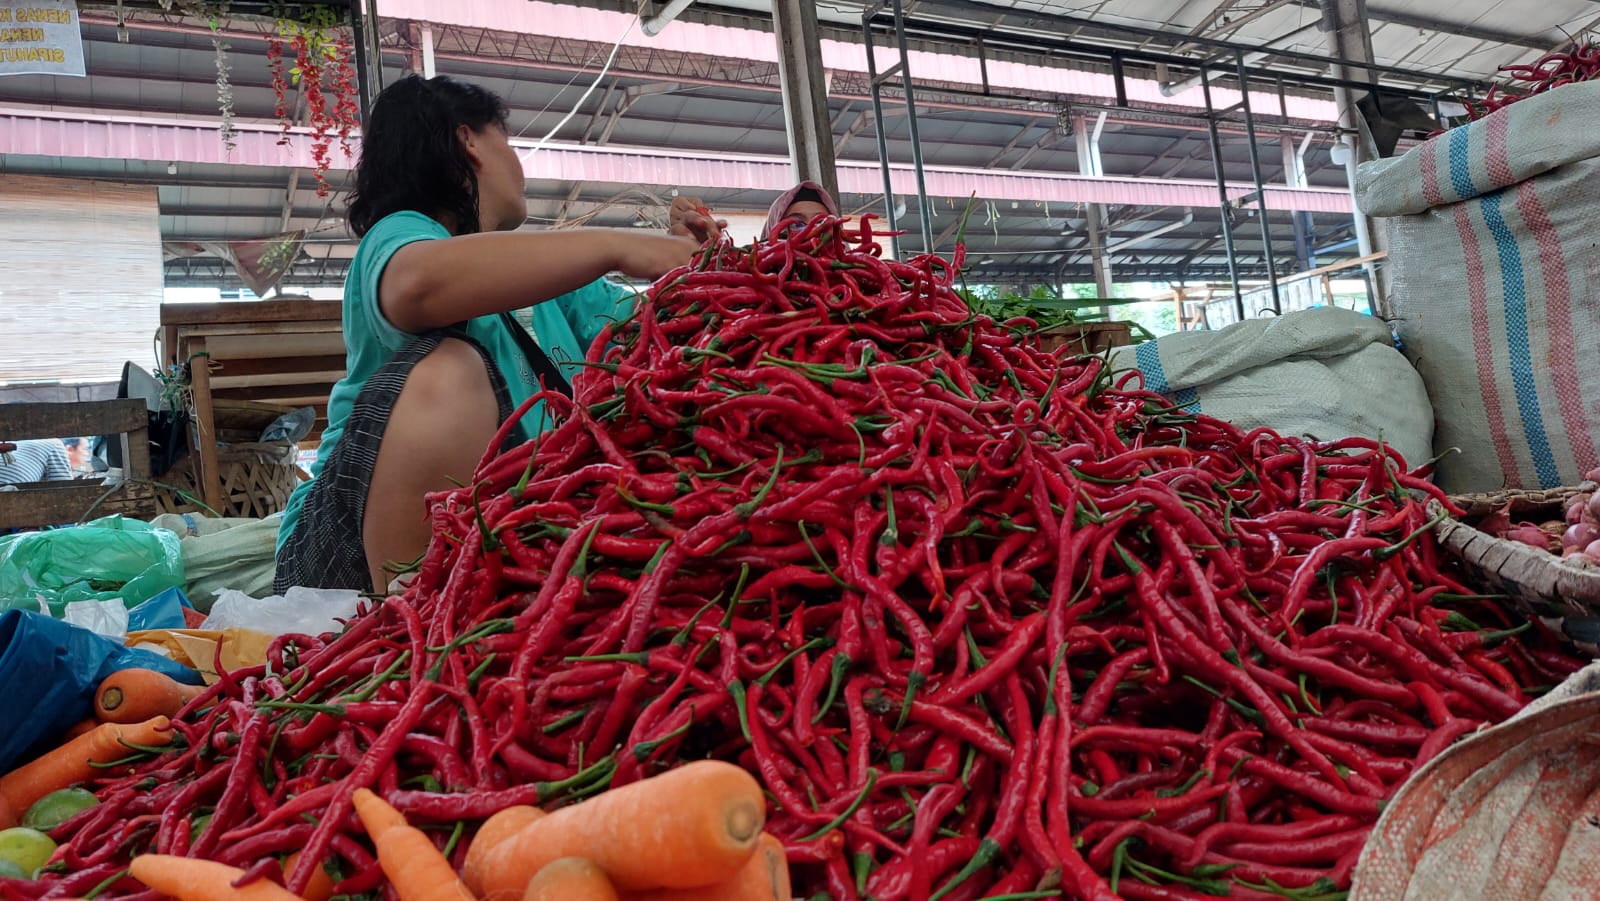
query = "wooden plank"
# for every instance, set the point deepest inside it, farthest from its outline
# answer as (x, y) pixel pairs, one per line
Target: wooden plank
(229, 367)
(260, 328)
(221, 383)
(205, 429)
(1336, 267)
(300, 344)
(136, 453)
(63, 503)
(169, 345)
(287, 395)
(71, 420)
(237, 312)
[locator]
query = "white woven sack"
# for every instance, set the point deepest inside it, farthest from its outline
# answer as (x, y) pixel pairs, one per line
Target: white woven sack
(1496, 286)
(1508, 814)
(1325, 372)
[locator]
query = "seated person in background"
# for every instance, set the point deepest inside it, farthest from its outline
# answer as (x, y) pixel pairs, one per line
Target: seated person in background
(80, 454)
(794, 207)
(40, 460)
(798, 206)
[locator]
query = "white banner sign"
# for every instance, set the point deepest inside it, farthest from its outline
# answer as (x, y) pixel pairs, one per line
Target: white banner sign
(40, 37)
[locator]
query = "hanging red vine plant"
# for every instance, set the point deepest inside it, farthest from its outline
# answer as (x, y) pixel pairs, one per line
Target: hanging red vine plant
(324, 72)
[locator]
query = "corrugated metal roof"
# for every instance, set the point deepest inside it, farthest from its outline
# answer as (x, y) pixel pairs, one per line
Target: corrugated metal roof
(722, 101)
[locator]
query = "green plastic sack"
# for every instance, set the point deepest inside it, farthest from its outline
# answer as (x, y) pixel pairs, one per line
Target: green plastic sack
(103, 560)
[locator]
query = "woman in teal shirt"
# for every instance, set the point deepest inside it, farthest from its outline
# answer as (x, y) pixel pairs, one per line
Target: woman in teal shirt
(435, 360)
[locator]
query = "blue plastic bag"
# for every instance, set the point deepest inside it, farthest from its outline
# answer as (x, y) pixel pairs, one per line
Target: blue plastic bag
(164, 611)
(49, 671)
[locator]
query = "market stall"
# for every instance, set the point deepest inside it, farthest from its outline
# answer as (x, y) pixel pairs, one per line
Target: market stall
(834, 578)
(980, 619)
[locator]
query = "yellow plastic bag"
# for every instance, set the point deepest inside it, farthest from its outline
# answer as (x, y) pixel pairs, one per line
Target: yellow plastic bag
(199, 648)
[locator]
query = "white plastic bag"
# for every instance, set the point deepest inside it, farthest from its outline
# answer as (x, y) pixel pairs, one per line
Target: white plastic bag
(307, 611)
(108, 617)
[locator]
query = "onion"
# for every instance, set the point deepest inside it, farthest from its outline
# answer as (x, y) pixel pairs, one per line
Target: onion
(1530, 535)
(1592, 475)
(1576, 508)
(1581, 535)
(1592, 508)
(1593, 552)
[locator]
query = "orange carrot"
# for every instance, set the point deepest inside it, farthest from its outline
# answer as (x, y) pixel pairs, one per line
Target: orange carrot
(321, 886)
(69, 764)
(135, 695)
(764, 877)
(570, 879)
(190, 879)
(377, 816)
(84, 727)
(8, 817)
(495, 830)
(408, 857)
(692, 826)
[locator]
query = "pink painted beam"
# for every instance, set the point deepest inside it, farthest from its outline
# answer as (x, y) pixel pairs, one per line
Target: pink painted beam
(48, 133)
(578, 23)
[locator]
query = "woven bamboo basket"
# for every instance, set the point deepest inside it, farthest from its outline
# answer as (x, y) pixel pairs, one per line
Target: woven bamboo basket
(1541, 583)
(256, 481)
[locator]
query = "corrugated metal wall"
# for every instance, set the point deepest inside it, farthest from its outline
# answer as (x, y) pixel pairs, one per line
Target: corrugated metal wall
(80, 278)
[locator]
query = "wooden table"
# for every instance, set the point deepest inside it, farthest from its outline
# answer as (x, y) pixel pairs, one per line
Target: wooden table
(287, 352)
(58, 503)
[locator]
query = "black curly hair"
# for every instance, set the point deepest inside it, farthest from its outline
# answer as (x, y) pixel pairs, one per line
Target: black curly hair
(411, 158)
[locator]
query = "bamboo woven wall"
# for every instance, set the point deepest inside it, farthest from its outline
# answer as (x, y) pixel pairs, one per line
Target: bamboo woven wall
(80, 278)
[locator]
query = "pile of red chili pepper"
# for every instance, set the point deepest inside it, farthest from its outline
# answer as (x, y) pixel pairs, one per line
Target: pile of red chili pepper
(985, 621)
(1578, 62)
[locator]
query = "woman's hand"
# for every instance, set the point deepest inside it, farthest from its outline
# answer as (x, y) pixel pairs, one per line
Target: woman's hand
(689, 218)
(652, 256)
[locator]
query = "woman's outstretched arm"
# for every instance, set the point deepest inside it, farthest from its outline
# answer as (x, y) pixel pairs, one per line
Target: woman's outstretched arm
(434, 284)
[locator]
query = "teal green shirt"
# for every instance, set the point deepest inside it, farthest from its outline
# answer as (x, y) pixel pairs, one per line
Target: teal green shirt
(564, 327)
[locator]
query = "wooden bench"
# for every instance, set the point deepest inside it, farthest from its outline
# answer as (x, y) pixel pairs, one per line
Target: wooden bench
(287, 352)
(37, 504)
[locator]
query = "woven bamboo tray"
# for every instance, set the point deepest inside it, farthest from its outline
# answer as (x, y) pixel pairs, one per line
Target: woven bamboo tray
(256, 481)
(1540, 582)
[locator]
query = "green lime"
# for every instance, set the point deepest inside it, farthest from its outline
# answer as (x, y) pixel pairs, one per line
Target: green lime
(57, 807)
(27, 849)
(9, 870)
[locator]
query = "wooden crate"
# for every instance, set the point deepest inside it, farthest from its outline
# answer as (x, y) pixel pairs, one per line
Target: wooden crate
(59, 503)
(1087, 337)
(284, 352)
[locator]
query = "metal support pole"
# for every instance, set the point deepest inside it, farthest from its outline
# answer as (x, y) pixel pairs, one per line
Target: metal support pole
(1294, 168)
(1222, 190)
(1350, 42)
(358, 43)
(427, 51)
(1255, 172)
(902, 70)
(805, 93)
(924, 211)
(983, 66)
(889, 217)
(1088, 146)
(375, 50)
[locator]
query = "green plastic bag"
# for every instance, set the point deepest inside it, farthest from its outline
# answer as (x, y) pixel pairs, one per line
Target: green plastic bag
(107, 559)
